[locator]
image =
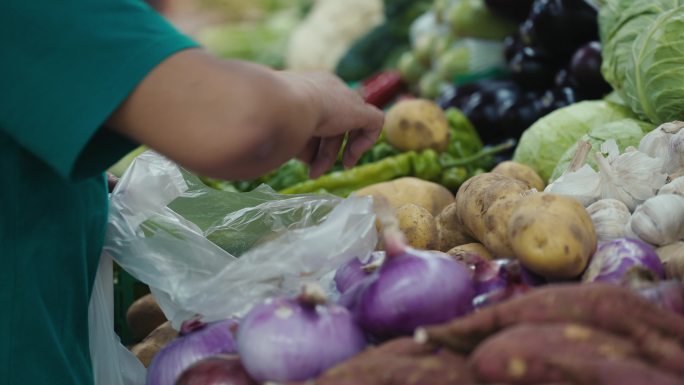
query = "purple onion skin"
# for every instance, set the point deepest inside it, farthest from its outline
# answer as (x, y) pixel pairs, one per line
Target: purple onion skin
(283, 340)
(196, 342)
(613, 261)
(352, 272)
(411, 290)
(216, 370)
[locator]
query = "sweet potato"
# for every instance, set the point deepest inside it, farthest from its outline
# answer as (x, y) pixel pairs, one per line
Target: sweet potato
(552, 235)
(429, 195)
(587, 371)
(657, 333)
(419, 226)
(521, 172)
(154, 342)
(450, 230)
(484, 203)
(399, 362)
(143, 316)
(460, 252)
(522, 354)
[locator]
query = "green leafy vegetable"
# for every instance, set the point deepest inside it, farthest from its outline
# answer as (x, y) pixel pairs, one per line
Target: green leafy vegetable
(643, 55)
(626, 132)
(543, 144)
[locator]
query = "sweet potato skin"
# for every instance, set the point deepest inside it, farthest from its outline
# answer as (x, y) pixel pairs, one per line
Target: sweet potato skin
(657, 333)
(399, 362)
(524, 354)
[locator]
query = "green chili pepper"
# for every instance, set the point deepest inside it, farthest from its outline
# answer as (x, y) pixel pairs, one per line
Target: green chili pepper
(425, 165)
(453, 178)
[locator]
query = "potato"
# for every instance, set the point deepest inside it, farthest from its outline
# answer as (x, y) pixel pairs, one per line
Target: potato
(429, 195)
(419, 226)
(459, 252)
(521, 172)
(496, 225)
(552, 235)
(475, 197)
(154, 342)
(450, 229)
(417, 124)
(143, 316)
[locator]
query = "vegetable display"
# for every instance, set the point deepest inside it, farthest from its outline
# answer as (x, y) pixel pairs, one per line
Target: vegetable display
(559, 261)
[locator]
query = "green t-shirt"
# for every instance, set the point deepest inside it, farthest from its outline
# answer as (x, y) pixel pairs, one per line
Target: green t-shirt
(65, 66)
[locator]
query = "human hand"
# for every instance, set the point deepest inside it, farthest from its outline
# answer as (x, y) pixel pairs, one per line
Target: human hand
(342, 112)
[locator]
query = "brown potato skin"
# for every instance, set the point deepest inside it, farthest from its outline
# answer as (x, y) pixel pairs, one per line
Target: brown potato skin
(153, 343)
(429, 195)
(143, 316)
(475, 248)
(450, 229)
(419, 226)
(416, 124)
(552, 235)
(484, 203)
(521, 172)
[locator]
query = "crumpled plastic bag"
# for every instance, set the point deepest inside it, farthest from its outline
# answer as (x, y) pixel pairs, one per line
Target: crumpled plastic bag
(216, 253)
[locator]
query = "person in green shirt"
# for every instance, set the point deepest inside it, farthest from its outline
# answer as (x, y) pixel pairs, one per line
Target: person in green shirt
(81, 84)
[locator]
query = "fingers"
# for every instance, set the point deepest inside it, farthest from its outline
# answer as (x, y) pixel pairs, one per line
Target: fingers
(362, 139)
(327, 155)
(308, 154)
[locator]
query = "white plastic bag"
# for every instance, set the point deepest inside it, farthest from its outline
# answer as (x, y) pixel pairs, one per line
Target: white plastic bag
(171, 232)
(113, 364)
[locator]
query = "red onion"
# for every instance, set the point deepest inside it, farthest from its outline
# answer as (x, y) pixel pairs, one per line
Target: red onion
(614, 260)
(355, 271)
(295, 339)
(416, 288)
(216, 370)
(196, 340)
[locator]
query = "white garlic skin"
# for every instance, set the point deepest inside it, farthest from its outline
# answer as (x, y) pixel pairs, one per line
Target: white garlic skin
(672, 257)
(610, 217)
(676, 187)
(659, 220)
(667, 143)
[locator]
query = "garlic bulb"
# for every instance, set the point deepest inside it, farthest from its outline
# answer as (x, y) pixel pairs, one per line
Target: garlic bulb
(631, 177)
(675, 187)
(659, 220)
(609, 217)
(672, 257)
(667, 143)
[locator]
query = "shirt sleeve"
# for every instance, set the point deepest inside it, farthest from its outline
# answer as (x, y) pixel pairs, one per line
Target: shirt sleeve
(67, 65)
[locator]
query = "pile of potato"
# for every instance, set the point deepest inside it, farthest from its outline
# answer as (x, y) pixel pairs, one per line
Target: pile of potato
(501, 214)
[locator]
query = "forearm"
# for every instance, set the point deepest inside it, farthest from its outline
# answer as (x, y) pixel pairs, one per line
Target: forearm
(224, 119)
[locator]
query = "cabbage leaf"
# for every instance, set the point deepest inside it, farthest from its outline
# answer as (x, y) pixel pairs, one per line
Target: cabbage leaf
(543, 144)
(625, 132)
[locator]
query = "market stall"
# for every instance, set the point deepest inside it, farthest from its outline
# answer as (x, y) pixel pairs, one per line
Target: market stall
(519, 220)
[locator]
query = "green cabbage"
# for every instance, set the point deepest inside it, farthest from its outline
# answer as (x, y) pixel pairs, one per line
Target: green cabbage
(626, 132)
(544, 143)
(643, 55)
